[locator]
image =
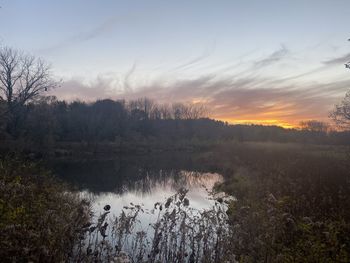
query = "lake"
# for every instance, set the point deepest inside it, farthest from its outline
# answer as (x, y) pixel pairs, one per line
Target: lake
(127, 182)
(142, 180)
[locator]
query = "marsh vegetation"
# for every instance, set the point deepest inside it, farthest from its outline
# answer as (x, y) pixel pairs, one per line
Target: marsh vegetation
(291, 204)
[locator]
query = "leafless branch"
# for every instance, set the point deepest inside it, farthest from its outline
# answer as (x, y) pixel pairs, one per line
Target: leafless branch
(23, 78)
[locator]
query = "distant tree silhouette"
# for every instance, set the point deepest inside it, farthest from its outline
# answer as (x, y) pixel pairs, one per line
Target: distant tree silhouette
(341, 112)
(48, 121)
(23, 78)
(314, 126)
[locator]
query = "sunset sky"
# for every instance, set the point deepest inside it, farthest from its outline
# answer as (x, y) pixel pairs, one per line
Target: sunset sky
(271, 62)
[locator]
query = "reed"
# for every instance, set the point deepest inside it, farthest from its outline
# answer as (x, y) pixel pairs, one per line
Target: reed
(179, 234)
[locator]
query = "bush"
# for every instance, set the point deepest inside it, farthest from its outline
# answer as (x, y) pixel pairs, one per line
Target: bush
(39, 218)
(292, 205)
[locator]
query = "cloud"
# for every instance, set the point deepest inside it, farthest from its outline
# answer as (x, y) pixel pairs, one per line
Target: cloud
(250, 99)
(207, 53)
(229, 98)
(285, 103)
(75, 89)
(87, 35)
(128, 75)
(273, 58)
(236, 96)
(338, 60)
(304, 74)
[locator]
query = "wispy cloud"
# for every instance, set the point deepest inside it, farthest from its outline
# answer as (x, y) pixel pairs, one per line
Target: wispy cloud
(273, 58)
(76, 89)
(128, 75)
(229, 99)
(338, 60)
(207, 52)
(238, 96)
(87, 35)
(246, 99)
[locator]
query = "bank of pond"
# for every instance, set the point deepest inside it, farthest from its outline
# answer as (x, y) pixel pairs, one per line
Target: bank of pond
(247, 203)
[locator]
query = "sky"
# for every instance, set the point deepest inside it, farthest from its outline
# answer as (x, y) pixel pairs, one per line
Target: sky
(267, 62)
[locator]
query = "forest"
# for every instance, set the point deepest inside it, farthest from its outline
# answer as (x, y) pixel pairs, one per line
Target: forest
(48, 124)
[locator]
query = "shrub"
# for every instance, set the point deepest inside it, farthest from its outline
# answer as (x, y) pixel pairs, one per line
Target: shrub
(38, 216)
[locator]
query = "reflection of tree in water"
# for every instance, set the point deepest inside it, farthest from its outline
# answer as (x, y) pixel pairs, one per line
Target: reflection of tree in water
(135, 173)
(172, 179)
(199, 179)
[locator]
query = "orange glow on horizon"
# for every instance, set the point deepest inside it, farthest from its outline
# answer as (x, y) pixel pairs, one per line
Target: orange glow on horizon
(266, 122)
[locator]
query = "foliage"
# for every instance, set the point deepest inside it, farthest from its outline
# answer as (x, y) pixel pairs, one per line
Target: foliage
(292, 206)
(38, 216)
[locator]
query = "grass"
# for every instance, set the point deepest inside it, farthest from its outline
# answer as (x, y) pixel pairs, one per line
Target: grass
(293, 203)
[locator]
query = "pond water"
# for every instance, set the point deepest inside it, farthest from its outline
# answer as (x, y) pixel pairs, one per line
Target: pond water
(142, 180)
(138, 183)
(150, 190)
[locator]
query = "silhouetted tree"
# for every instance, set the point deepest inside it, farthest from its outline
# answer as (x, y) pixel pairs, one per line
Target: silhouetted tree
(41, 124)
(46, 121)
(189, 111)
(2, 119)
(341, 112)
(23, 78)
(314, 126)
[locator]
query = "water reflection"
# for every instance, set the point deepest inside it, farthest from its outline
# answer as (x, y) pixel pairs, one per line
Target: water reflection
(154, 187)
(129, 173)
(139, 179)
(151, 189)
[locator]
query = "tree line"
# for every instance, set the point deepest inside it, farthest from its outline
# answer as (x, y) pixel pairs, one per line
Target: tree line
(50, 120)
(29, 116)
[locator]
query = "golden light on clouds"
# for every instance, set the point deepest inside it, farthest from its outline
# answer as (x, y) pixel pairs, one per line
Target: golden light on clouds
(236, 97)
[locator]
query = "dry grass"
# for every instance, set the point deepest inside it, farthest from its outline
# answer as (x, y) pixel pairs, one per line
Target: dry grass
(292, 205)
(180, 234)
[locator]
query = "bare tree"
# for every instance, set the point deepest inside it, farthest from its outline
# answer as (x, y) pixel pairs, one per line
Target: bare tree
(341, 112)
(314, 126)
(189, 111)
(165, 111)
(23, 78)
